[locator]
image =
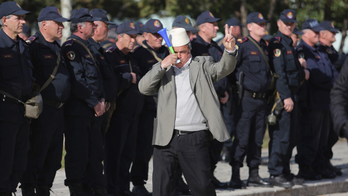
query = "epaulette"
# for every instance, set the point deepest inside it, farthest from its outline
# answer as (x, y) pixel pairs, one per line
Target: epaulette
(68, 43)
(110, 49)
(277, 38)
(30, 39)
(241, 40)
(136, 48)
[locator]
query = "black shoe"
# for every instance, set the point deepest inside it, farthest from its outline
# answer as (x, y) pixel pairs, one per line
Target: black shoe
(126, 193)
(76, 190)
(219, 185)
(325, 172)
(257, 182)
(296, 180)
(99, 192)
(28, 191)
(140, 190)
(43, 191)
(280, 181)
(308, 173)
(237, 184)
(337, 170)
(225, 155)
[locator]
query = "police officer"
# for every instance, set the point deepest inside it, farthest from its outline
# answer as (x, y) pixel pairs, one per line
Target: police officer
(295, 36)
(25, 33)
(283, 134)
(16, 79)
(83, 138)
(314, 137)
(204, 45)
(253, 76)
(46, 138)
(109, 77)
(149, 53)
(326, 39)
(111, 38)
(183, 22)
(120, 143)
(237, 30)
(140, 37)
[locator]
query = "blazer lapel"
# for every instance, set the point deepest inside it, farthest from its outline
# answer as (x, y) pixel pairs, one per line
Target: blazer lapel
(194, 71)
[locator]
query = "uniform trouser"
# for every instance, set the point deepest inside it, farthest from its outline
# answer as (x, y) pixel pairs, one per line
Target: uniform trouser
(190, 152)
(120, 145)
(314, 139)
(46, 144)
(144, 148)
(250, 131)
(14, 145)
(104, 123)
(332, 139)
(84, 151)
(283, 138)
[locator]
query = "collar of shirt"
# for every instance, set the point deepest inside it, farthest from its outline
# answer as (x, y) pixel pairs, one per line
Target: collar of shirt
(6, 40)
(95, 45)
(199, 39)
(186, 66)
(79, 38)
(261, 43)
(308, 46)
(286, 39)
(42, 41)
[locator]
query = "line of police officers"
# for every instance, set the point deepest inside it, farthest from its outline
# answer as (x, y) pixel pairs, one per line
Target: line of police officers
(94, 100)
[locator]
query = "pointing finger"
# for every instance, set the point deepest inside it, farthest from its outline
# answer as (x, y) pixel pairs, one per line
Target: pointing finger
(226, 29)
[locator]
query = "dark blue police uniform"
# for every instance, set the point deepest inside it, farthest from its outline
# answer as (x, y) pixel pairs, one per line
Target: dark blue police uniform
(146, 60)
(16, 79)
(120, 140)
(46, 132)
(83, 139)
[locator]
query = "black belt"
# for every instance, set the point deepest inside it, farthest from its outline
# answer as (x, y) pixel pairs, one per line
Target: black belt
(55, 104)
(255, 95)
(180, 132)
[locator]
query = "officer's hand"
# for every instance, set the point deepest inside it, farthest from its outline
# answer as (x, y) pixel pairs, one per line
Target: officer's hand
(303, 62)
(134, 75)
(224, 99)
(169, 60)
(229, 41)
(288, 104)
(307, 74)
(99, 109)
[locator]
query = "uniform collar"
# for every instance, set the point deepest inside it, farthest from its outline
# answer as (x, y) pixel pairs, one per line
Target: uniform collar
(79, 38)
(202, 41)
(6, 40)
(160, 50)
(93, 43)
(286, 39)
(42, 40)
(308, 46)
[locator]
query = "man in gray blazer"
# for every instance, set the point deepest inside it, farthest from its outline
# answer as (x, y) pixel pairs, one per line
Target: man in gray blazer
(188, 113)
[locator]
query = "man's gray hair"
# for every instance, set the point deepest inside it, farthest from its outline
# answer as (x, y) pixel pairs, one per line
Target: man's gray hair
(8, 17)
(74, 26)
(39, 24)
(112, 35)
(189, 46)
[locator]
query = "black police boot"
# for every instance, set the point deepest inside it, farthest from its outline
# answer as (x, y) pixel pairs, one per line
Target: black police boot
(219, 185)
(140, 190)
(28, 191)
(6, 194)
(307, 173)
(76, 190)
(280, 181)
(337, 170)
(255, 180)
(43, 191)
(325, 172)
(296, 180)
(225, 155)
(99, 192)
(236, 182)
(181, 187)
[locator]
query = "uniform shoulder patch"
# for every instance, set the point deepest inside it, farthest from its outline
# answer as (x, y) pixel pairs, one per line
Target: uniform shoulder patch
(277, 38)
(68, 43)
(110, 49)
(241, 40)
(30, 39)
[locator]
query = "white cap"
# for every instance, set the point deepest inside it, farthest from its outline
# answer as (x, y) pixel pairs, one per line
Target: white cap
(178, 37)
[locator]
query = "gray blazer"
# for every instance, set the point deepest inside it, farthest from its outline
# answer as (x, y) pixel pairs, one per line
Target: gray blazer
(203, 73)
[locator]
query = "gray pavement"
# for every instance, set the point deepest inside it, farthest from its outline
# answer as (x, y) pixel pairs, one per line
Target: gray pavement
(335, 187)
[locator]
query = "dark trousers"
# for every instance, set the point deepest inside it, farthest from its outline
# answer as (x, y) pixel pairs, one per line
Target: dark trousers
(46, 144)
(228, 111)
(190, 152)
(120, 145)
(144, 148)
(250, 131)
(314, 139)
(14, 145)
(283, 138)
(84, 151)
(332, 139)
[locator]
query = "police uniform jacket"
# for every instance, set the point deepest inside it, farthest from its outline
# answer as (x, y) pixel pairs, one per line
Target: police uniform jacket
(145, 61)
(336, 58)
(251, 62)
(16, 76)
(322, 75)
(129, 100)
(202, 48)
(285, 63)
(85, 78)
(44, 58)
(109, 78)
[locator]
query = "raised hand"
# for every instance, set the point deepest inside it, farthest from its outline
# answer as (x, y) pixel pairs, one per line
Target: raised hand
(229, 42)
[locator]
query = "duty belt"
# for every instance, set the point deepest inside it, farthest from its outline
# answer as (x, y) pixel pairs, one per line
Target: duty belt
(7, 99)
(255, 95)
(55, 104)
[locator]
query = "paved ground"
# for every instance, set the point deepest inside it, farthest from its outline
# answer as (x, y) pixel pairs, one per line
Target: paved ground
(335, 187)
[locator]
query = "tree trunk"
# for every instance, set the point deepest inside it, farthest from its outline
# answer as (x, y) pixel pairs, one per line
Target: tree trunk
(270, 15)
(244, 15)
(66, 13)
(344, 29)
(327, 10)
